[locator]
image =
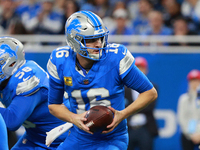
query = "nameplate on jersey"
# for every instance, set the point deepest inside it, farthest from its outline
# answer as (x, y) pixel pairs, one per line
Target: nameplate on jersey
(68, 81)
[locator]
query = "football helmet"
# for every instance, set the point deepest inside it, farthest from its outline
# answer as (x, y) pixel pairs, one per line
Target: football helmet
(11, 57)
(84, 25)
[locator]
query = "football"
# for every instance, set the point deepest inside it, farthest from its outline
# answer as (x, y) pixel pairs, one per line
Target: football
(98, 118)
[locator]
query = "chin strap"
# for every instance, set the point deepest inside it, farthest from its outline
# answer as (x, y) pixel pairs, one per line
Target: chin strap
(56, 132)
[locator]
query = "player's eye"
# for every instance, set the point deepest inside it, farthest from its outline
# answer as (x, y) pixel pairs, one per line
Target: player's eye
(92, 40)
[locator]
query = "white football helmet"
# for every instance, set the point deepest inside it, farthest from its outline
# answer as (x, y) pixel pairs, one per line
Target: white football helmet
(11, 57)
(84, 25)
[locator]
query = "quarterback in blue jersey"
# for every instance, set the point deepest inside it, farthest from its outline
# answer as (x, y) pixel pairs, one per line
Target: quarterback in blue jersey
(92, 72)
(4, 136)
(24, 92)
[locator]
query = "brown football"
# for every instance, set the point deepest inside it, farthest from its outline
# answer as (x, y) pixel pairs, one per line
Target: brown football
(98, 118)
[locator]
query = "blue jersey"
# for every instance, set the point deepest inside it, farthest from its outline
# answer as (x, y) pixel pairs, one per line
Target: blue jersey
(26, 100)
(4, 136)
(103, 84)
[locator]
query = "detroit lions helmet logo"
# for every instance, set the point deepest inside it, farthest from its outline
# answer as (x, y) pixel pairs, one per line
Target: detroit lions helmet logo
(4, 48)
(74, 25)
(5, 53)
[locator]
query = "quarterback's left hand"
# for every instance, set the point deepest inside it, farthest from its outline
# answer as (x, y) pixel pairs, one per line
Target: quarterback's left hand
(195, 137)
(118, 117)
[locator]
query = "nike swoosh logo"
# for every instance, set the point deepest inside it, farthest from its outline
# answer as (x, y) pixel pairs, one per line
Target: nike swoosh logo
(25, 79)
(124, 53)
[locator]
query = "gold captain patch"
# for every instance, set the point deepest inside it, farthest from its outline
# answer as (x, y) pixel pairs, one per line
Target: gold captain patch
(68, 81)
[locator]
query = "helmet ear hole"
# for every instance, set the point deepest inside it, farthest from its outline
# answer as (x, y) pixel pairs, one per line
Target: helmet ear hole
(11, 65)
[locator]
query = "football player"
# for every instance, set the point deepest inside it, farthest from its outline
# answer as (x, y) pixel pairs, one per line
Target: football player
(24, 92)
(4, 136)
(92, 72)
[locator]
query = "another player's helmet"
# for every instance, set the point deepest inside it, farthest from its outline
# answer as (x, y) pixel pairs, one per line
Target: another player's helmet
(84, 25)
(11, 57)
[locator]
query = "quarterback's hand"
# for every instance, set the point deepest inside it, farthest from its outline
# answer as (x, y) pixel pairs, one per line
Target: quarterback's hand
(195, 137)
(78, 119)
(118, 117)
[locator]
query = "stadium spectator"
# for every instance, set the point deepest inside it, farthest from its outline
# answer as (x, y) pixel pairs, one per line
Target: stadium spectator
(191, 10)
(141, 22)
(109, 20)
(29, 6)
(24, 93)
(93, 72)
(100, 7)
(119, 5)
(60, 6)
(188, 113)
(157, 26)
(44, 20)
(122, 28)
(142, 127)
(180, 28)
(133, 6)
(171, 11)
(16, 27)
(8, 14)
(70, 7)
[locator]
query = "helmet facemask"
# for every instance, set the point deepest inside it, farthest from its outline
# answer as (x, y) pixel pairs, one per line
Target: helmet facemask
(84, 49)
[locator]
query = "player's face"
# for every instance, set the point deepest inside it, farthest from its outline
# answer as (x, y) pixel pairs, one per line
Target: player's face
(94, 43)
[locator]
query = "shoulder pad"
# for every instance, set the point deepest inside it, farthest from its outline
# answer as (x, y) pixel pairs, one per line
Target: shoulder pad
(60, 52)
(55, 63)
(117, 52)
(117, 49)
(29, 78)
(120, 55)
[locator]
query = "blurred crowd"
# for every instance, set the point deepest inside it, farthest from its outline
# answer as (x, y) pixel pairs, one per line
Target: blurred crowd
(122, 17)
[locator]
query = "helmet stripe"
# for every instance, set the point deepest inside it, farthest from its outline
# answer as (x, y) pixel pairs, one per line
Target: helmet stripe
(93, 19)
(97, 20)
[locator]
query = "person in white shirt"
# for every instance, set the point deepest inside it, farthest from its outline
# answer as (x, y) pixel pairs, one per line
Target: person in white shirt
(188, 113)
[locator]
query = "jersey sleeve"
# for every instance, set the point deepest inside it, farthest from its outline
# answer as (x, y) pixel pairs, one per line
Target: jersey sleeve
(56, 88)
(136, 80)
(131, 75)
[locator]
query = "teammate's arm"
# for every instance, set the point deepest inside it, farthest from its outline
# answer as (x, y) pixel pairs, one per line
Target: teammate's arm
(19, 110)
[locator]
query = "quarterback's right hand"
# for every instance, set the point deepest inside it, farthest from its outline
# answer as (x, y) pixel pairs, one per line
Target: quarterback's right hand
(78, 120)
